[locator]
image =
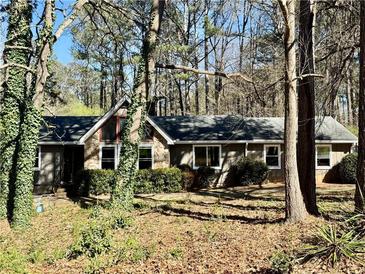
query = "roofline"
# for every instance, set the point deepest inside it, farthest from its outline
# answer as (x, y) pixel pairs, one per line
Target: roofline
(59, 143)
(103, 119)
(161, 131)
(257, 141)
(171, 142)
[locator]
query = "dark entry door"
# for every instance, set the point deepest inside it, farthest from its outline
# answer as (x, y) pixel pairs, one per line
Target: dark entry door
(73, 163)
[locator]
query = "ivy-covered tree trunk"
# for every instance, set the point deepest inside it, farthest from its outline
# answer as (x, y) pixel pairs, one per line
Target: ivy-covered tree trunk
(31, 116)
(16, 55)
(23, 191)
(136, 117)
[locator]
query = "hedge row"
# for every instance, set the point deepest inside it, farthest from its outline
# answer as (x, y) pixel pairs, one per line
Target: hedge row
(244, 172)
(99, 181)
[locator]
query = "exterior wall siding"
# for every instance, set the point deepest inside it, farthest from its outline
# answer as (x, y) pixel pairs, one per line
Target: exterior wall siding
(161, 154)
(183, 154)
(50, 171)
(91, 152)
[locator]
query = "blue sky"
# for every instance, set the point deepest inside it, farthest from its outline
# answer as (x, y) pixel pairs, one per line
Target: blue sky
(62, 48)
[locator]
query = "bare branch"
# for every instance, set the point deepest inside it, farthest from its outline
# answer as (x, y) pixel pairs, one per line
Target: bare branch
(16, 65)
(68, 21)
(206, 72)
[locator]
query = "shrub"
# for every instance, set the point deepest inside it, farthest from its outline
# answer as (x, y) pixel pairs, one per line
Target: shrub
(281, 262)
(188, 179)
(205, 177)
(96, 181)
(332, 245)
(159, 180)
(248, 171)
(347, 168)
(99, 181)
(93, 239)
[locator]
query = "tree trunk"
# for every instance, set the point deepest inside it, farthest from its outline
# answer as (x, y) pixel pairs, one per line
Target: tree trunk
(17, 50)
(206, 58)
(360, 186)
(349, 92)
(306, 107)
(122, 195)
(295, 208)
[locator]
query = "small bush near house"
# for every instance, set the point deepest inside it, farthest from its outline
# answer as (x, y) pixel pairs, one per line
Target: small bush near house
(159, 180)
(188, 179)
(205, 177)
(96, 181)
(248, 171)
(347, 168)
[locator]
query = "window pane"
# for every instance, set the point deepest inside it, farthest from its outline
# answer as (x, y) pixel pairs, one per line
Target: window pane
(108, 152)
(323, 162)
(108, 158)
(323, 152)
(213, 156)
(200, 156)
(145, 158)
(145, 164)
(108, 130)
(273, 151)
(145, 153)
(107, 165)
(272, 160)
(36, 163)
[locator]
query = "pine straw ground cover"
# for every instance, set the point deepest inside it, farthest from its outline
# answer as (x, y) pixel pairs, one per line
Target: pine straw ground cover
(218, 231)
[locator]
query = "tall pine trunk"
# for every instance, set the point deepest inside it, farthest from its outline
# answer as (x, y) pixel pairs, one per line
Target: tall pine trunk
(360, 186)
(306, 107)
(136, 117)
(295, 208)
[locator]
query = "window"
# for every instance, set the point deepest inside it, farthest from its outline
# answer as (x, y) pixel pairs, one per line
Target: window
(272, 156)
(108, 157)
(145, 160)
(323, 156)
(108, 130)
(206, 156)
(37, 163)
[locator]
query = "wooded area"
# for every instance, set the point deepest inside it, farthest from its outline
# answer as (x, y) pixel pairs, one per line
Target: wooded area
(298, 59)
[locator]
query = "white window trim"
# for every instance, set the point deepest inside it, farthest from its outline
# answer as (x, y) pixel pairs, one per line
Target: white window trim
(330, 157)
(116, 156)
(220, 155)
(39, 160)
(279, 156)
(152, 154)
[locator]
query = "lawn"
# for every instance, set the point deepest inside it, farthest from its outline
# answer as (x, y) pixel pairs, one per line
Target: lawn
(214, 231)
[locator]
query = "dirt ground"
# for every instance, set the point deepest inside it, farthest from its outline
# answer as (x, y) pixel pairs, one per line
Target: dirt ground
(233, 230)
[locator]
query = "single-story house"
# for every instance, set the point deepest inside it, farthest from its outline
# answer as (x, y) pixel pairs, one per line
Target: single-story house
(69, 144)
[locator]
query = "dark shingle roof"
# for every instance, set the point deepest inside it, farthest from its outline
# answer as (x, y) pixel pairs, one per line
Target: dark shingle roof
(66, 128)
(197, 128)
(225, 127)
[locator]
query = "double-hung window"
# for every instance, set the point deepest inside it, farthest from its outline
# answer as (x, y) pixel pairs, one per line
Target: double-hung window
(37, 162)
(145, 156)
(272, 156)
(108, 157)
(206, 156)
(323, 156)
